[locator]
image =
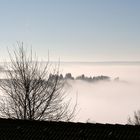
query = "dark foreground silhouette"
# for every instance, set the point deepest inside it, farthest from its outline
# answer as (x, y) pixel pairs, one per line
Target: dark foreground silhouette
(43, 130)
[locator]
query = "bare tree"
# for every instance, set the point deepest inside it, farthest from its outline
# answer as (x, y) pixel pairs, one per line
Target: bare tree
(32, 90)
(136, 118)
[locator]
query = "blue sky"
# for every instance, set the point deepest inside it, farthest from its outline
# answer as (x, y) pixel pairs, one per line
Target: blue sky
(74, 30)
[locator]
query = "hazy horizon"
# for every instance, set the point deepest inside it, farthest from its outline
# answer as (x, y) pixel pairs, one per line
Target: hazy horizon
(100, 62)
(90, 37)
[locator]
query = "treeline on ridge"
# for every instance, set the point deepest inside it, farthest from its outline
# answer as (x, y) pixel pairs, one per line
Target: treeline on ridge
(68, 76)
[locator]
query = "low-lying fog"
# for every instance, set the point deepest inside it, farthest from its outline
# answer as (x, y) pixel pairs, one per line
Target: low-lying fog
(105, 102)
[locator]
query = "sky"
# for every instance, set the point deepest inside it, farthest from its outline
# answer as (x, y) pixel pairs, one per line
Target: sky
(72, 30)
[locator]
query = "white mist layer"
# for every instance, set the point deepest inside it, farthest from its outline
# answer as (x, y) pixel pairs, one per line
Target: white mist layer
(106, 102)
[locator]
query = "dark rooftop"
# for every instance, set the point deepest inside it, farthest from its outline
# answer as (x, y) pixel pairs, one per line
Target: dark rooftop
(44, 130)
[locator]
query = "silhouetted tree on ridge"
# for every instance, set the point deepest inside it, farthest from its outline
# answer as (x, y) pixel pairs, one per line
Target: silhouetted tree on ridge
(135, 120)
(31, 91)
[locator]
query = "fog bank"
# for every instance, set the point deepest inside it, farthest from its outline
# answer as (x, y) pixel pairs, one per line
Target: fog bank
(106, 102)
